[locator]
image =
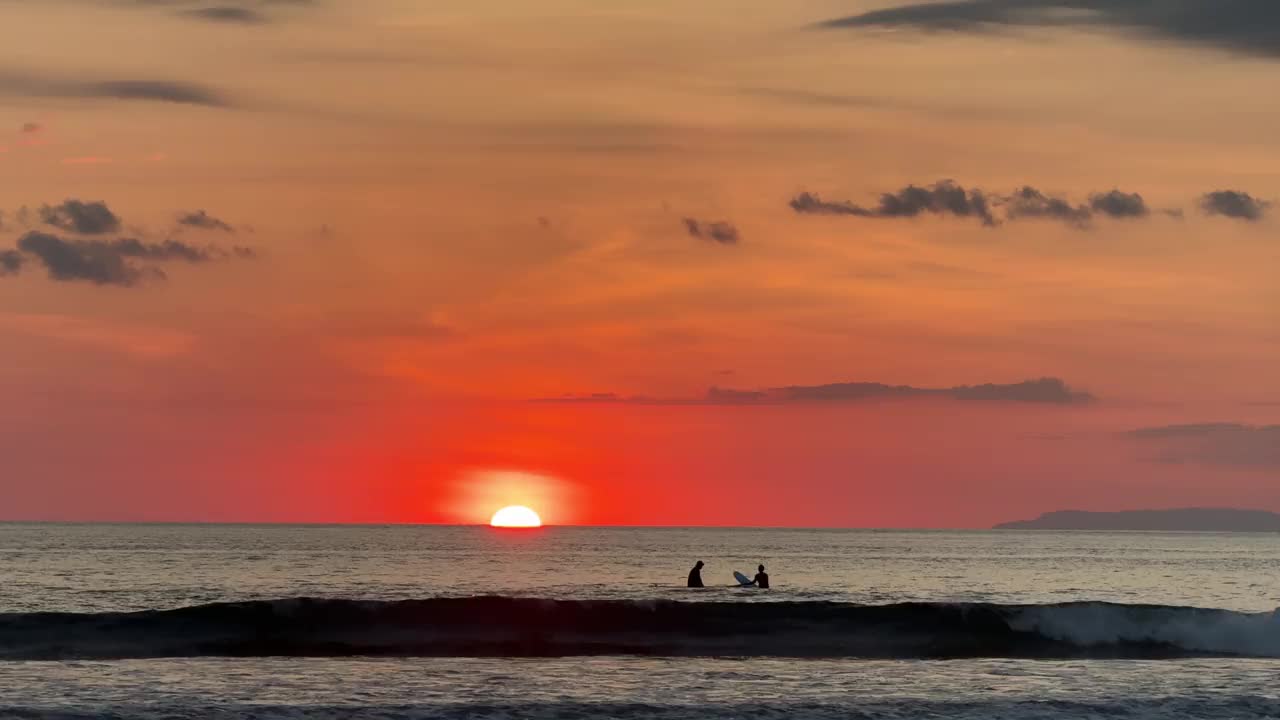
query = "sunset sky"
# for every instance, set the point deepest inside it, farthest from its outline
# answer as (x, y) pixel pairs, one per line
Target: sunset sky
(407, 261)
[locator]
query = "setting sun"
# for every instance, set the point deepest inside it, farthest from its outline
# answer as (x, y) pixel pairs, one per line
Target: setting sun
(516, 516)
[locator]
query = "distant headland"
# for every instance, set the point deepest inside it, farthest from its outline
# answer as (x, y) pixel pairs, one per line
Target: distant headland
(1185, 519)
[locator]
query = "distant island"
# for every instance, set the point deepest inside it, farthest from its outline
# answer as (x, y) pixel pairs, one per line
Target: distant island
(1186, 519)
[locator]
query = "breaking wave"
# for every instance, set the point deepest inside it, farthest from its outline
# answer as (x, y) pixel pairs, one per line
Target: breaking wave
(526, 627)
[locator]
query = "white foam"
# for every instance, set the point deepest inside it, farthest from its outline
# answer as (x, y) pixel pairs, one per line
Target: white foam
(1214, 631)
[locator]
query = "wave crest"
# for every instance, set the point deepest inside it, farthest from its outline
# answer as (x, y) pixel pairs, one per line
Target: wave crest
(505, 626)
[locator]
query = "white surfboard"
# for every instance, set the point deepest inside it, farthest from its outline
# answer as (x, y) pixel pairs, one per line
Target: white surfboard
(742, 579)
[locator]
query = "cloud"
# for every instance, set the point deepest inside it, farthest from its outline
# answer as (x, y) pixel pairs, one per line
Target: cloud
(158, 90)
(1050, 391)
(1226, 444)
(87, 260)
(201, 219)
(1118, 204)
(10, 262)
(719, 232)
(1044, 390)
(110, 262)
(942, 198)
(725, 396)
(30, 128)
(810, 204)
(182, 93)
(949, 198)
(1032, 203)
(1234, 204)
(244, 12)
(227, 14)
(1243, 26)
(86, 218)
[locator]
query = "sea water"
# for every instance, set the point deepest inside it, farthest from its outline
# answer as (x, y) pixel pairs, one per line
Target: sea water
(175, 621)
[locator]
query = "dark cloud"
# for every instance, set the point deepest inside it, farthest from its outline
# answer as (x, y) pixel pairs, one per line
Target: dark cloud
(1118, 204)
(203, 220)
(941, 198)
(1234, 204)
(167, 250)
(1044, 390)
(946, 197)
(10, 262)
(810, 204)
(1050, 391)
(720, 232)
(1226, 444)
(1245, 26)
(31, 128)
(244, 12)
(227, 14)
(86, 218)
(89, 261)
(1032, 203)
(724, 396)
(131, 89)
(157, 90)
(110, 262)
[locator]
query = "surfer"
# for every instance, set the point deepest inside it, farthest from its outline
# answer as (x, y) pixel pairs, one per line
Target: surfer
(695, 575)
(762, 578)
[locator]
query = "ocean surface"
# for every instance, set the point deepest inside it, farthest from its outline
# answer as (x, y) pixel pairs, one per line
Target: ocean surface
(252, 621)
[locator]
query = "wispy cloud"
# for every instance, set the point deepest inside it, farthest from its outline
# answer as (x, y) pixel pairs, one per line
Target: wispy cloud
(1227, 444)
(944, 197)
(1052, 391)
(718, 232)
(1244, 26)
(232, 12)
(153, 90)
(1025, 203)
(227, 14)
(203, 220)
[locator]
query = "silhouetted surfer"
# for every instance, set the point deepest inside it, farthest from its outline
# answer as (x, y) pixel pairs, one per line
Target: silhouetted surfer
(762, 578)
(695, 575)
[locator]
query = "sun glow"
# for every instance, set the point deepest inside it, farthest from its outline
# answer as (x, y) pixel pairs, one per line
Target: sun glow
(475, 494)
(516, 516)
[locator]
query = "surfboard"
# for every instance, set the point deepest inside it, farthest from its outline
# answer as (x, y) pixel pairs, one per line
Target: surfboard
(742, 579)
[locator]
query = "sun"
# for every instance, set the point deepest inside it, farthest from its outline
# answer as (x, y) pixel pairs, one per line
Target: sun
(516, 516)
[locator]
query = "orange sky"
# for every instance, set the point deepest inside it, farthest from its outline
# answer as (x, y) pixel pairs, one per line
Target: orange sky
(420, 217)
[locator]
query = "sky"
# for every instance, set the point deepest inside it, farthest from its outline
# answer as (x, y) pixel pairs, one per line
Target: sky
(844, 263)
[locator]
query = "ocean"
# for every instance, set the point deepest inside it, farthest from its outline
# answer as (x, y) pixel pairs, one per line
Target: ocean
(280, 621)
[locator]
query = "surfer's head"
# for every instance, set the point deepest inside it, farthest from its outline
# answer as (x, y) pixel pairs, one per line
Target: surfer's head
(699, 564)
(760, 568)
